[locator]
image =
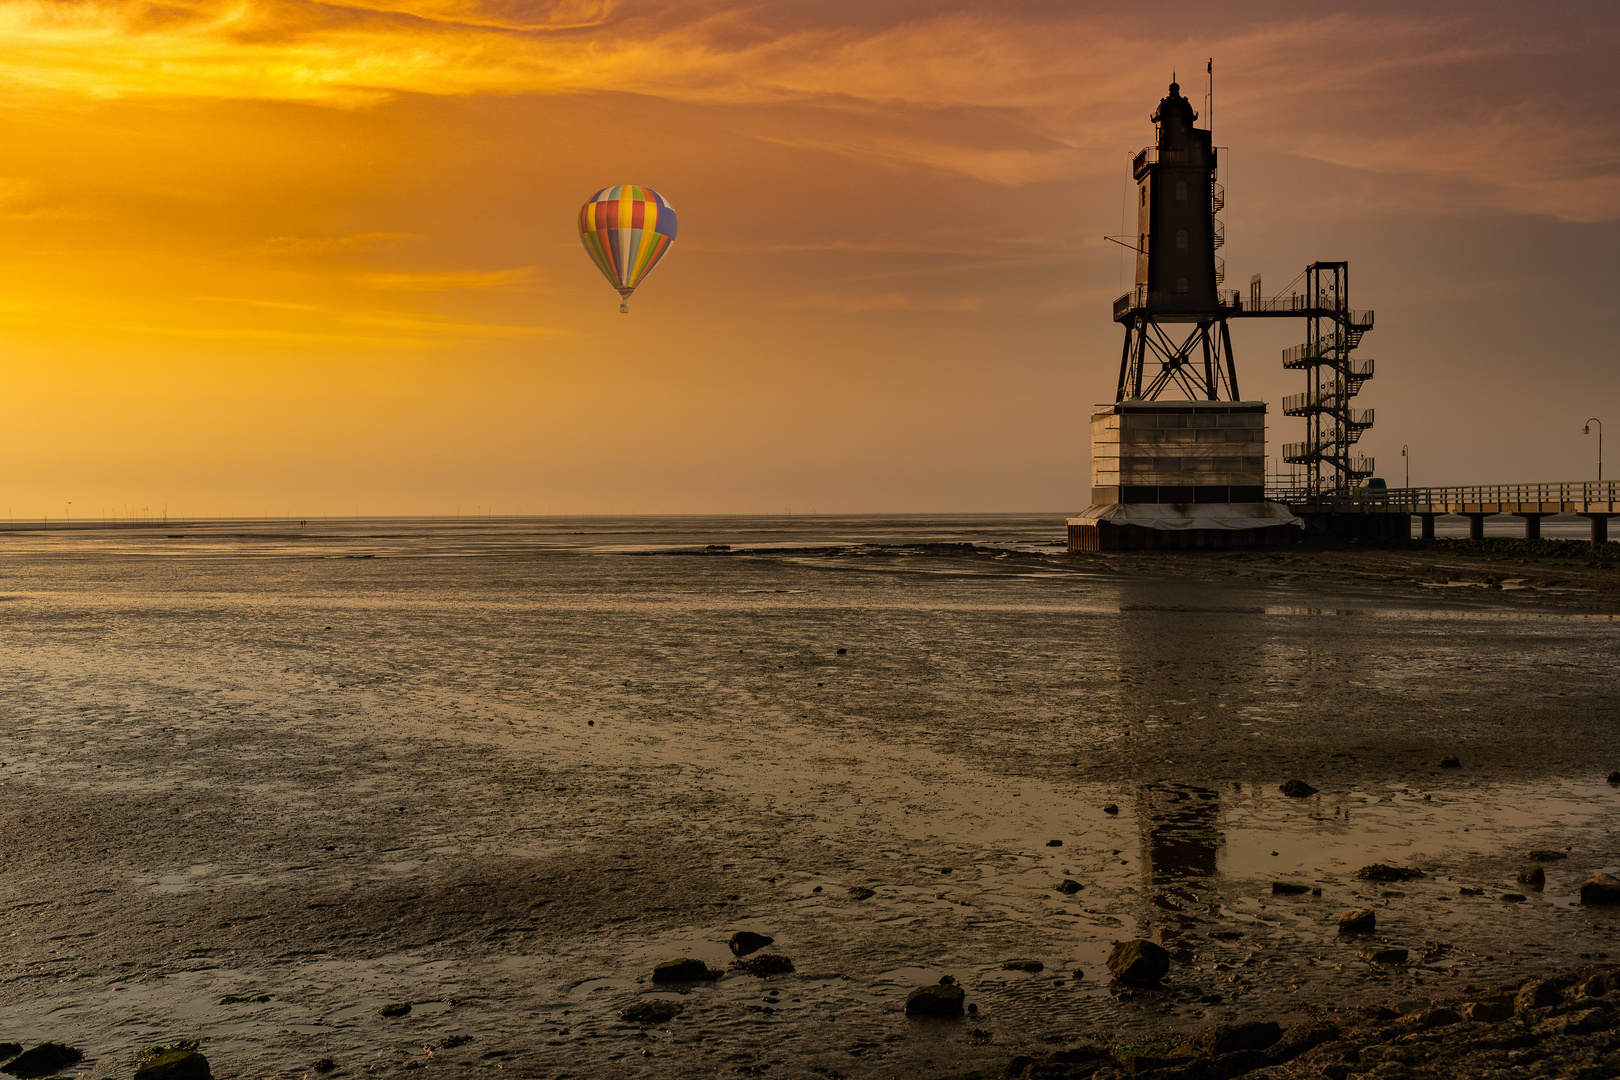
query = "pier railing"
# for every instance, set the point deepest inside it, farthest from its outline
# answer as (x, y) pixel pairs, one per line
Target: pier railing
(1563, 497)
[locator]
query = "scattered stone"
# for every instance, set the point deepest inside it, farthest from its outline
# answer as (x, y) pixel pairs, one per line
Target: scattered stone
(1110, 808)
(1379, 954)
(650, 1011)
(1614, 777)
(1384, 872)
(1514, 897)
(324, 1065)
(764, 964)
(842, 652)
(947, 980)
(450, 1042)
(1068, 886)
(395, 1008)
(1600, 888)
(1297, 789)
(978, 1037)
(1537, 994)
(1547, 855)
(685, 970)
(1450, 763)
(9, 1050)
(1232, 1038)
(178, 1062)
(1140, 962)
(1533, 876)
(1054, 843)
(238, 999)
(1357, 921)
(935, 1000)
(42, 1060)
(1022, 965)
(1439, 1016)
(1288, 888)
(1226, 935)
(744, 942)
(1488, 1012)
(861, 892)
(1471, 890)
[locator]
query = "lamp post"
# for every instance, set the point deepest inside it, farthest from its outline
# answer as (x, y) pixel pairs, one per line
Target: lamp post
(1408, 462)
(1587, 430)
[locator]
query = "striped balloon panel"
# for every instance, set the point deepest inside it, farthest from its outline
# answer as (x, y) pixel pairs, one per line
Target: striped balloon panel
(626, 229)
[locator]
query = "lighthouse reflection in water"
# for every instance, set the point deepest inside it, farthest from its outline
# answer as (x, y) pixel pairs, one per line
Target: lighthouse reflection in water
(1180, 842)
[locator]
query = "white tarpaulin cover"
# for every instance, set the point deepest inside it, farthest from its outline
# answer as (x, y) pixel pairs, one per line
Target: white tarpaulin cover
(1248, 515)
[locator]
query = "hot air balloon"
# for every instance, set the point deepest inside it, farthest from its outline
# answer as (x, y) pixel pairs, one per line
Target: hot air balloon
(626, 229)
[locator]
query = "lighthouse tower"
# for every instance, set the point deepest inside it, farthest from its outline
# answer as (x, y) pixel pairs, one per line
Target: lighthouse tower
(1177, 270)
(1178, 460)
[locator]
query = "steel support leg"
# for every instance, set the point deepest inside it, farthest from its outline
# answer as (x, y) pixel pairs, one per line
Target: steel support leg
(1532, 525)
(1600, 527)
(1476, 526)
(1427, 531)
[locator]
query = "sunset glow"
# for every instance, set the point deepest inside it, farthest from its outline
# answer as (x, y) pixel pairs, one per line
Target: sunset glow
(290, 258)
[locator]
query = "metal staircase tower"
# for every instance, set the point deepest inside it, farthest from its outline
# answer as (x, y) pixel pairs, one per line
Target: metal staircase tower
(1333, 377)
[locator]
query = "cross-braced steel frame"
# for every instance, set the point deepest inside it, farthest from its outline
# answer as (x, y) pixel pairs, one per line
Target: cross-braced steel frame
(1200, 365)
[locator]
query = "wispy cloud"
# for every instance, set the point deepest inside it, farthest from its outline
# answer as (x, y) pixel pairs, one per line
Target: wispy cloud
(503, 280)
(1013, 96)
(307, 246)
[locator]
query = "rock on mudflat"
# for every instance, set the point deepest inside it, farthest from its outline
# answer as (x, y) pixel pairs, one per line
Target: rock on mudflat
(650, 1011)
(9, 1050)
(395, 1008)
(1385, 872)
(1068, 886)
(1297, 789)
(1138, 961)
(174, 1063)
(764, 964)
(1450, 763)
(1022, 965)
(1537, 994)
(744, 942)
(42, 1060)
(1600, 888)
(936, 1000)
(860, 892)
(1533, 876)
(1231, 1038)
(1378, 954)
(684, 970)
(1110, 808)
(1357, 921)
(1546, 855)
(1289, 888)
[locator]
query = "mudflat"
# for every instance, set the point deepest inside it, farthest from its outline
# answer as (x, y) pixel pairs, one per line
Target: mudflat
(259, 784)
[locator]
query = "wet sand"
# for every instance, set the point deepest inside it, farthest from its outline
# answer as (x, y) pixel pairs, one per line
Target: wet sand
(501, 782)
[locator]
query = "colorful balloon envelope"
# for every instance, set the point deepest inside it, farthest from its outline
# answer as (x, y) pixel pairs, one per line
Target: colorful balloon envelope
(626, 229)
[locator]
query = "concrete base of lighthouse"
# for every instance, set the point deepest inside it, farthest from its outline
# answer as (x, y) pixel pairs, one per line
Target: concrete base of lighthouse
(1179, 475)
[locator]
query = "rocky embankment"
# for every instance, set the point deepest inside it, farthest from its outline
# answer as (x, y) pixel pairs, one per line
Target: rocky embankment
(1562, 1027)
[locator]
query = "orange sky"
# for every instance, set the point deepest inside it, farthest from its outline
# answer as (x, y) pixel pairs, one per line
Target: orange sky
(289, 258)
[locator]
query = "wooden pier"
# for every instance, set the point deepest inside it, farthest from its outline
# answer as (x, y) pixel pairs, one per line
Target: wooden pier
(1596, 501)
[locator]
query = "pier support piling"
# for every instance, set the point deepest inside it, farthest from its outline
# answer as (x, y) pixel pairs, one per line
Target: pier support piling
(1600, 527)
(1532, 525)
(1427, 532)
(1476, 525)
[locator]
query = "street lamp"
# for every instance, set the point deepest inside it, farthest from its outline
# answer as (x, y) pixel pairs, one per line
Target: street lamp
(1587, 430)
(1408, 462)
